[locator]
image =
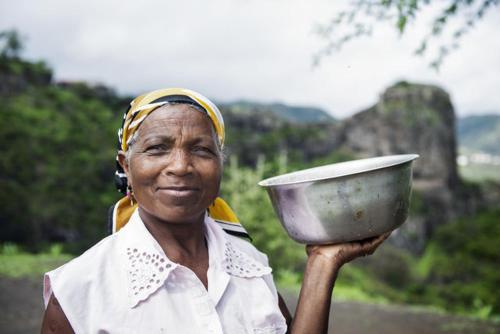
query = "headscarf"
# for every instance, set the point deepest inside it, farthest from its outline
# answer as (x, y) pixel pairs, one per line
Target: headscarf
(139, 109)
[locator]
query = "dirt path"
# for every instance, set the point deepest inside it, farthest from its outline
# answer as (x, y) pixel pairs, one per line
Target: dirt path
(21, 312)
(21, 305)
(355, 318)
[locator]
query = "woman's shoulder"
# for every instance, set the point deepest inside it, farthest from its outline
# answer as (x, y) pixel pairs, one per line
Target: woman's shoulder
(89, 279)
(248, 248)
(220, 234)
(85, 270)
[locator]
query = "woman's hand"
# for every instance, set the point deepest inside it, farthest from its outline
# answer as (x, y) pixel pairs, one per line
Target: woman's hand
(323, 264)
(339, 254)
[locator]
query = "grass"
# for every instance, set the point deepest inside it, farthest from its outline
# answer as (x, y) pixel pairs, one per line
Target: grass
(16, 263)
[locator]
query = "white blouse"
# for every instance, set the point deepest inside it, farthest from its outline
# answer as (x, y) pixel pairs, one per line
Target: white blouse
(126, 284)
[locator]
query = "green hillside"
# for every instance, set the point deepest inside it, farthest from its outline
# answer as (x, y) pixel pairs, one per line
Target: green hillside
(294, 114)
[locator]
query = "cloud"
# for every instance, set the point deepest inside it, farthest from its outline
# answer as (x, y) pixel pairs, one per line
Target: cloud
(251, 49)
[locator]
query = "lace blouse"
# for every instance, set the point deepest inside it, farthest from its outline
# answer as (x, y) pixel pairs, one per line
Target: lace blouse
(126, 284)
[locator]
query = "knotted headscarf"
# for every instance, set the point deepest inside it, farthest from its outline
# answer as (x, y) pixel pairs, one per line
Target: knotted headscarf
(140, 108)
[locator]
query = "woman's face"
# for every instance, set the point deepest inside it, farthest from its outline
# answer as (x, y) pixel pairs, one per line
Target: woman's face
(175, 165)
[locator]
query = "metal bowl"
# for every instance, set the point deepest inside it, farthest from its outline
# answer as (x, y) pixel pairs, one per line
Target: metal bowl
(345, 201)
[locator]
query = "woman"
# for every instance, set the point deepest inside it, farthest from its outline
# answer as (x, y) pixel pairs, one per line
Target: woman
(173, 268)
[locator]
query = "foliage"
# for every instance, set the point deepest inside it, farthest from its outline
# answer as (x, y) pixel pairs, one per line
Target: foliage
(254, 209)
(56, 166)
(460, 266)
(11, 44)
(455, 17)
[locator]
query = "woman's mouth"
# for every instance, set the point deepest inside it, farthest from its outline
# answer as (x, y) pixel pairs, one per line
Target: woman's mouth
(178, 192)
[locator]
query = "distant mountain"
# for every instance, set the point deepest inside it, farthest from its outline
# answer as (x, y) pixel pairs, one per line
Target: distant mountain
(479, 133)
(294, 114)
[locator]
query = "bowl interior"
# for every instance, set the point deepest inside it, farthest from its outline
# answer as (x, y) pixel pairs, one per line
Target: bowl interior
(338, 170)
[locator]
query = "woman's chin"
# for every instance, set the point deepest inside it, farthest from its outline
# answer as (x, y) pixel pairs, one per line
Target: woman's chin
(177, 214)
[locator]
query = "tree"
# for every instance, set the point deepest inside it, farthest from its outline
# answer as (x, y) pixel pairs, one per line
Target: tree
(11, 44)
(454, 19)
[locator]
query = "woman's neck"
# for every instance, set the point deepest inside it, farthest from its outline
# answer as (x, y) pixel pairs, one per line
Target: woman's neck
(183, 243)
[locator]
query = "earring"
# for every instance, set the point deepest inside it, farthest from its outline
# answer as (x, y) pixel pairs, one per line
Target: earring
(130, 194)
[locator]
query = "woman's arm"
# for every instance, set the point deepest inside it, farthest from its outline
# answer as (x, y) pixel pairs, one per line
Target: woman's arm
(54, 319)
(323, 265)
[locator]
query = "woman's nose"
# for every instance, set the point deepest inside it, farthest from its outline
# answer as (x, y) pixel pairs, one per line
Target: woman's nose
(179, 163)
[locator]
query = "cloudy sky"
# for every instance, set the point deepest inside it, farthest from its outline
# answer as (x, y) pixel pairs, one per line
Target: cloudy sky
(247, 49)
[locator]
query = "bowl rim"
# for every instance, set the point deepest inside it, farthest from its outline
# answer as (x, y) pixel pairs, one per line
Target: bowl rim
(403, 158)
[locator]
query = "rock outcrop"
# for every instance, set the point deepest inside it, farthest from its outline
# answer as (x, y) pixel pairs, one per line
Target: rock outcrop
(409, 118)
(413, 118)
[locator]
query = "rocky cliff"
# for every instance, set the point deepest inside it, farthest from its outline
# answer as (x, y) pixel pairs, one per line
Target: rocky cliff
(409, 118)
(413, 118)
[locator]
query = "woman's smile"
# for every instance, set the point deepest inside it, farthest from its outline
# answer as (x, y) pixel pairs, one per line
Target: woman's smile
(180, 192)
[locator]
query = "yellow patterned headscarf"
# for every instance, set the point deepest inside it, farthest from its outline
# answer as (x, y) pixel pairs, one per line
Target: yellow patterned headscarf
(140, 108)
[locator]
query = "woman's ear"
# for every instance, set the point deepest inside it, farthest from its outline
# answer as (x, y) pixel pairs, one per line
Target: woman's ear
(122, 159)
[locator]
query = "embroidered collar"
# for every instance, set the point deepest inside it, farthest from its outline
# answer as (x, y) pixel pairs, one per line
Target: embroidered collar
(148, 268)
(226, 255)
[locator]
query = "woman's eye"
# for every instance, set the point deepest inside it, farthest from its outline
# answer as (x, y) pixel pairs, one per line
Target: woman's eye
(156, 148)
(202, 150)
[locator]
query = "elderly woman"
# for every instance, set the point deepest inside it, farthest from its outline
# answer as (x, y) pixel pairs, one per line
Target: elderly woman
(176, 265)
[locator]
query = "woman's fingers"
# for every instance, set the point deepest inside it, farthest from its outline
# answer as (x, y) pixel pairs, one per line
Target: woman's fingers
(345, 252)
(369, 246)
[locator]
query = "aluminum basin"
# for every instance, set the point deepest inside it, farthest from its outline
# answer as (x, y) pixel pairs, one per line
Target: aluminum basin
(345, 201)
